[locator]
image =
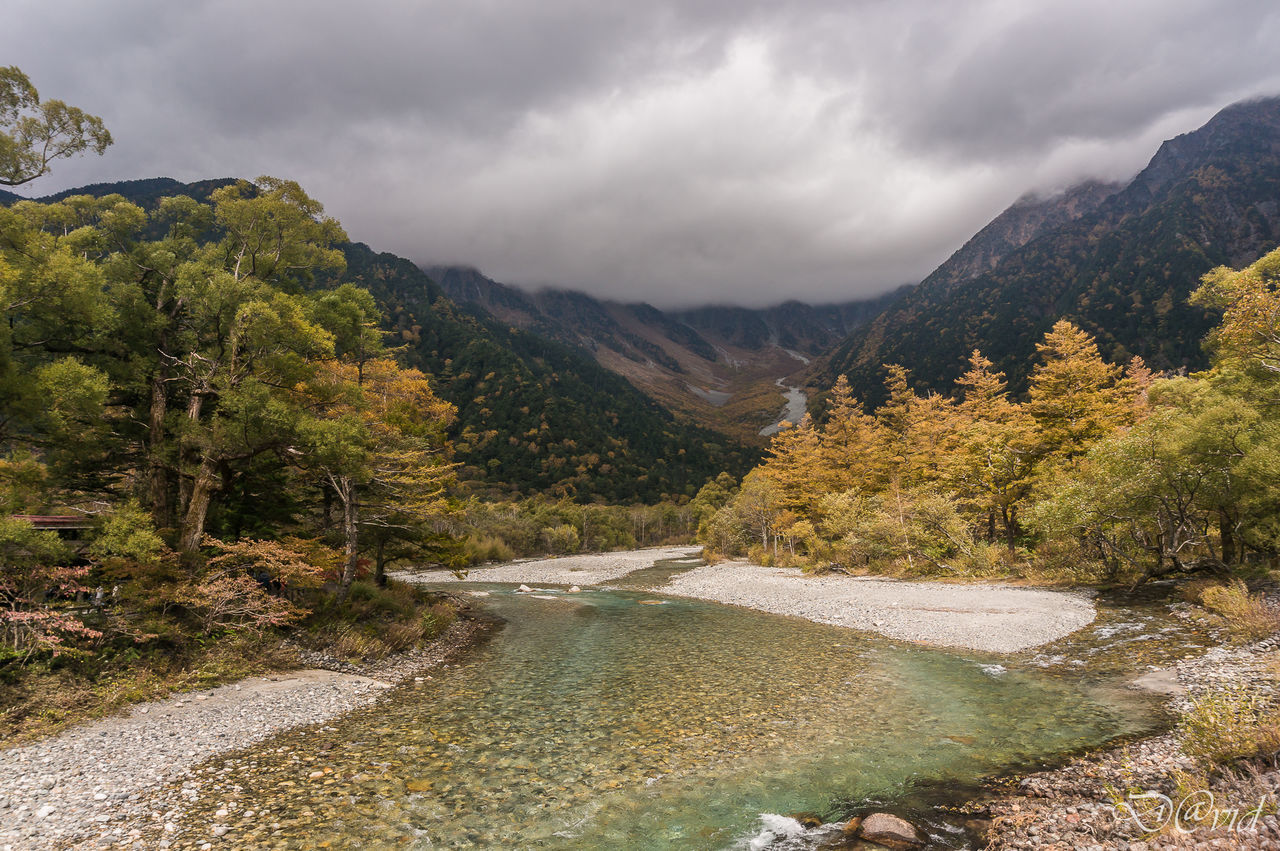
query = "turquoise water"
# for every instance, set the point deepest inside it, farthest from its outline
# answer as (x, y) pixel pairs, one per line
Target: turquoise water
(599, 720)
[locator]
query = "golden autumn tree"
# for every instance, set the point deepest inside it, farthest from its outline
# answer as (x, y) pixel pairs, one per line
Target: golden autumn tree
(1248, 337)
(377, 439)
(1077, 398)
(994, 448)
(851, 444)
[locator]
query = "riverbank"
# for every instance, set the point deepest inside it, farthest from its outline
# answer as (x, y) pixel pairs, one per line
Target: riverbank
(591, 569)
(985, 617)
(114, 781)
(1074, 806)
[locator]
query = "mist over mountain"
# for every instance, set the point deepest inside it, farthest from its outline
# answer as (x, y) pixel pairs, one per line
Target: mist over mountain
(1120, 262)
(717, 365)
(534, 415)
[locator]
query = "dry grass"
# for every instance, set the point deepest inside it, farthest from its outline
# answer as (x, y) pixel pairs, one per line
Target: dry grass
(1248, 616)
(376, 622)
(1229, 724)
(1194, 590)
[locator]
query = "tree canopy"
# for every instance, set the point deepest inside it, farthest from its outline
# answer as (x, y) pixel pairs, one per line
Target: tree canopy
(34, 133)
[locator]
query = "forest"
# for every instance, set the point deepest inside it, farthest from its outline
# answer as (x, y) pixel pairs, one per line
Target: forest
(1102, 473)
(215, 440)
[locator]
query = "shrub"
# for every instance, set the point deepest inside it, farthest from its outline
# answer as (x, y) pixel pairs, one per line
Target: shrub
(1248, 616)
(561, 539)
(34, 582)
(128, 533)
(1229, 724)
(233, 594)
(483, 548)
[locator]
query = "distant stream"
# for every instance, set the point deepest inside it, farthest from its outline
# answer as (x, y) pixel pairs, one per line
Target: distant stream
(797, 403)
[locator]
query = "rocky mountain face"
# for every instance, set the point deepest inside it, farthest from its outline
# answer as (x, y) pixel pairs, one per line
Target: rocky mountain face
(1026, 219)
(717, 366)
(1120, 263)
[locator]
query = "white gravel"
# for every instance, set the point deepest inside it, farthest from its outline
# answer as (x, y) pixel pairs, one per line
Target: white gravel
(987, 617)
(567, 570)
(105, 782)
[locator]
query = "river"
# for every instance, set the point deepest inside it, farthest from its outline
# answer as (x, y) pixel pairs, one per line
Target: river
(794, 410)
(619, 719)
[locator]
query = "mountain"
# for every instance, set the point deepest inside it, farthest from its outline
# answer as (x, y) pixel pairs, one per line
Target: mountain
(1118, 262)
(534, 415)
(718, 366)
(1026, 219)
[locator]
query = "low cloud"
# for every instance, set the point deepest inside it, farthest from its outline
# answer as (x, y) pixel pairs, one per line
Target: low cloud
(679, 153)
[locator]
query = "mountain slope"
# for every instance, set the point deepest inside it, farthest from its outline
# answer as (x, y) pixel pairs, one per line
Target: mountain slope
(1025, 219)
(534, 415)
(1122, 270)
(717, 366)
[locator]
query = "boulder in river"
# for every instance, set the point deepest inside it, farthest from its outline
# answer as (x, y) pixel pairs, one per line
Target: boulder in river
(890, 831)
(525, 589)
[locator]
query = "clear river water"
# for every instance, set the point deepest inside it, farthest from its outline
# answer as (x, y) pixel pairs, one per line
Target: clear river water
(617, 719)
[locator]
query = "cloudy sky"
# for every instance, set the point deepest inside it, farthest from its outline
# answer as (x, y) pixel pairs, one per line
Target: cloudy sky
(740, 151)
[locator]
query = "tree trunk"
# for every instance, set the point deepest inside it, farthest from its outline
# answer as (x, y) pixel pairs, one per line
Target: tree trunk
(1010, 528)
(380, 570)
(351, 531)
(188, 456)
(202, 491)
(1226, 530)
(157, 475)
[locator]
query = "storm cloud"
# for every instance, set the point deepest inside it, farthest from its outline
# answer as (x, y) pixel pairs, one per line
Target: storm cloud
(677, 153)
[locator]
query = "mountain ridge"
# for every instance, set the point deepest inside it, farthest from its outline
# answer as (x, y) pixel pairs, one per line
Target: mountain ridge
(1122, 270)
(534, 415)
(717, 365)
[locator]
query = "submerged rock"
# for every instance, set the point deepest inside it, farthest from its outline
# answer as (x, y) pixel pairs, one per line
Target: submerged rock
(890, 831)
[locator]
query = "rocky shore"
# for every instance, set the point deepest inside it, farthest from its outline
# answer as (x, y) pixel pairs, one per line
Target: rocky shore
(1072, 807)
(115, 782)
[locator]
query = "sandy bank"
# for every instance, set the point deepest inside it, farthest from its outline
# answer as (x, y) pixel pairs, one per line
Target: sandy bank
(988, 617)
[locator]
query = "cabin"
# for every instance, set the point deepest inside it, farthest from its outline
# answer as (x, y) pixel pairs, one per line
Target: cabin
(69, 527)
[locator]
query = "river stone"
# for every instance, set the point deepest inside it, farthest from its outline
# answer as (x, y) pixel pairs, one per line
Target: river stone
(890, 831)
(524, 589)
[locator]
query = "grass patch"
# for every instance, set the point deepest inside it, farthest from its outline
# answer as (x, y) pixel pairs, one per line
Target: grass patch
(1229, 724)
(378, 621)
(1248, 617)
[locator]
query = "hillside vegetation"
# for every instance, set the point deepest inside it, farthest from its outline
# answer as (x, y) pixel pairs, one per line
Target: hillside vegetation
(1104, 473)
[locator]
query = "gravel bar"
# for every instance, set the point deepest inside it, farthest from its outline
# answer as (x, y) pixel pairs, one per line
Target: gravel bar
(986, 617)
(568, 570)
(97, 784)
